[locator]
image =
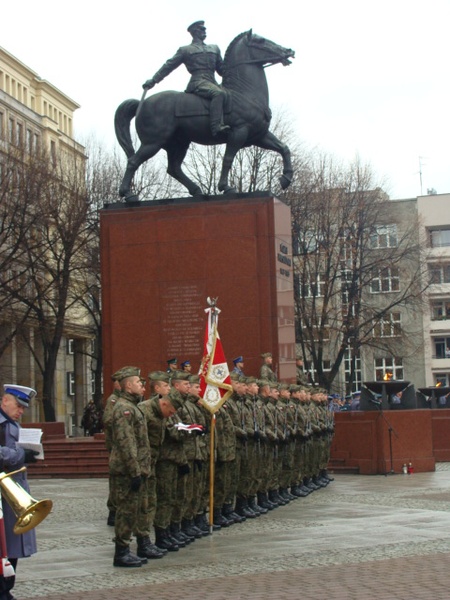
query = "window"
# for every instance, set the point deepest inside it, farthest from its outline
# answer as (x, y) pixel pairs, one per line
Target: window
(385, 236)
(12, 131)
(326, 367)
(440, 309)
(385, 280)
(53, 152)
(440, 273)
(352, 361)
(314, 289)
(308, 241)
(70, 383)
(349, 286)
(388, 365)
(442, 378)
(70, 346)
(388, 326)
(440, 238)
(19, 133)
(92, 383)
(441, 347)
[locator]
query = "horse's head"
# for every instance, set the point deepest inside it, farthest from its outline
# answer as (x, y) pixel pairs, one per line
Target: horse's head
(248, 47)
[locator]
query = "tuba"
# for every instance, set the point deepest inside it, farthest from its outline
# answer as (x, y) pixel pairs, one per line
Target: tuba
(30, 512)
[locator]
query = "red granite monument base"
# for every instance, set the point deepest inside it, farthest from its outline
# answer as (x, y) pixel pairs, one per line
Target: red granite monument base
(378, 442)
(162, 259)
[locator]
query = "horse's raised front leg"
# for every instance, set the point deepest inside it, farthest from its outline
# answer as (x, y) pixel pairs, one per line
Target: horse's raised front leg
(236, 140)
(270, 142)
(144, 153)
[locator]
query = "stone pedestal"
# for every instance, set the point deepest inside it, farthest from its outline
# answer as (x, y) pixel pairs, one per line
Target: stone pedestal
(162, 259)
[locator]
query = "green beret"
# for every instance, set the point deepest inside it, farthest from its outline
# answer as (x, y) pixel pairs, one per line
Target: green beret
(179, 376)
(127, 372)
(159, 376)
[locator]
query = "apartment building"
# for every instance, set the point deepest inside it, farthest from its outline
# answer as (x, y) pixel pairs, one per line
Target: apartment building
(35, 114)
(434, 221)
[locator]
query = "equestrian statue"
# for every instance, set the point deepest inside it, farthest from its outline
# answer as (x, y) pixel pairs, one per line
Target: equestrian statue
(235, 113)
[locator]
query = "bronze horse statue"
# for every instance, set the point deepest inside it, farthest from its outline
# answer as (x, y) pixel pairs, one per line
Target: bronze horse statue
(172, 120)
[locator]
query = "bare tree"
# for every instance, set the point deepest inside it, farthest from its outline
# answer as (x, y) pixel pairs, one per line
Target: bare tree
(351, 247)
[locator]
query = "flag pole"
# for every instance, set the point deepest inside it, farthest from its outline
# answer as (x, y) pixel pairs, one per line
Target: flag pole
(211, 473)
(215, 387)
(212, 302)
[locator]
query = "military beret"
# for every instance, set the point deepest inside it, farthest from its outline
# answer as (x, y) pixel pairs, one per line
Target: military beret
(186, 362)
(266, 354)
(159, 376)
(194, 379)
(262, 383)
(179, 376)
(128, 372)
(172, 361)
(117, 376)
(238, 359)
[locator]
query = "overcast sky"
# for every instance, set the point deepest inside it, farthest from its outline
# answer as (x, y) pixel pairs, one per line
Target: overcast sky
(370, 77)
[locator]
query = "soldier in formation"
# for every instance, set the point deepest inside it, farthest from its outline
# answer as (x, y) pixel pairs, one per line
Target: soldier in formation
(271, 446)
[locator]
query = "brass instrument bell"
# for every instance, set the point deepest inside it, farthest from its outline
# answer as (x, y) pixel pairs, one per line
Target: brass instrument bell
(30, 512)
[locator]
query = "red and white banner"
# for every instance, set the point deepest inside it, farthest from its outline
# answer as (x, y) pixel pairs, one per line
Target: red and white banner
(215, 382)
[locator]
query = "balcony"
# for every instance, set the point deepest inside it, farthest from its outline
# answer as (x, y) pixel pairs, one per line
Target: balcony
(440, 364)
(440, 325)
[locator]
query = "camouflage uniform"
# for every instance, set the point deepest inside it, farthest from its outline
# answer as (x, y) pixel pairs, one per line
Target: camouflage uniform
(129, 458)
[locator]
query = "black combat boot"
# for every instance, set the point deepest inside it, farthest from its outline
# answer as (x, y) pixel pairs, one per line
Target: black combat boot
(201, 522)
(325, 475)
(177, 535)
(264, 502)
(145, 549)
(190, 529)
(243, 509)
(220, 519)
(273, 498)
(256, 508)
(309, 483)
(228, 512)
(163, 541)
(124, 558)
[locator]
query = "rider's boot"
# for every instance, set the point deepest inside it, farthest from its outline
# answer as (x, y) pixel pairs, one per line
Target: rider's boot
(216, 116)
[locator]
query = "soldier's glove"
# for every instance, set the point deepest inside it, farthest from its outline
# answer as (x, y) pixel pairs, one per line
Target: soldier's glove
(198, 465)
(149, 84)
(30, 455)
(183, 470)
(135, 483)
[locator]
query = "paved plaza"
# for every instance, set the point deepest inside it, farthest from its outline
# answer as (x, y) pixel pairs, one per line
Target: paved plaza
(362, 537)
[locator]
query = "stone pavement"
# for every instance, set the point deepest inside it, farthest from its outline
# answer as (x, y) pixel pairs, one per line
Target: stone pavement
(362, 537)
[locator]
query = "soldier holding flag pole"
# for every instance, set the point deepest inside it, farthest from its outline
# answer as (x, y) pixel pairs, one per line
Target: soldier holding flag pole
(215, 384)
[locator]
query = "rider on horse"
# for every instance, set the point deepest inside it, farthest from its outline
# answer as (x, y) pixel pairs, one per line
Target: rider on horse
(202, 61)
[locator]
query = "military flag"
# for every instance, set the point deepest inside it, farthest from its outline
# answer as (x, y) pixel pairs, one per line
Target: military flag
(215, 382)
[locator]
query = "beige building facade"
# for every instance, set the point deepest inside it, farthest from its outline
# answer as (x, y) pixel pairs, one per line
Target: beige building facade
(35, 114)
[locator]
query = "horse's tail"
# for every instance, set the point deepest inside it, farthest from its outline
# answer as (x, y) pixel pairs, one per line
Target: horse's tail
(122, 119)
